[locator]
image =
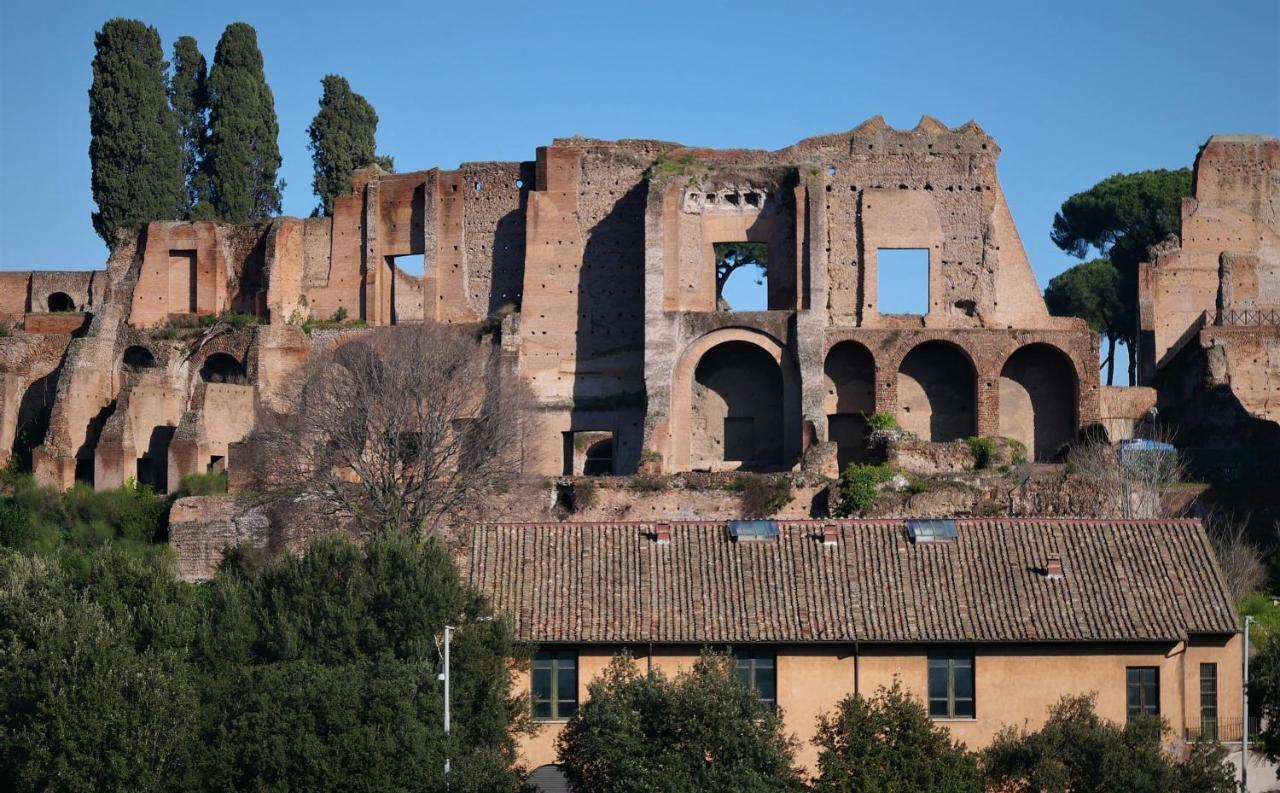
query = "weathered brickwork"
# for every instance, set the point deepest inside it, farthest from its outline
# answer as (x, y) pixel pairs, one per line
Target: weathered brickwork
(601, 260)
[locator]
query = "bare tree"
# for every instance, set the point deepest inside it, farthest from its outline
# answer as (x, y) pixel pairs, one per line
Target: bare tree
(1126, 483)
(406, 427)
(1238, 556)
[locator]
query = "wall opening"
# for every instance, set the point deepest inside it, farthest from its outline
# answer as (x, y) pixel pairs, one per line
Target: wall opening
(414, 264)
(223, 368)
(1038, 395)
(409, 280)
(902, 280)
(153, 465)
(599, 460)
(61, 301)
(850, 396)
(737, 409)
(137, 358)
(183, 281)
(588, 453)
(742, 276)
(937, 393)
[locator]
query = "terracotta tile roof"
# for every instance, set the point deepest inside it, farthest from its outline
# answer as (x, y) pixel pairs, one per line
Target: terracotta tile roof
(610, 582)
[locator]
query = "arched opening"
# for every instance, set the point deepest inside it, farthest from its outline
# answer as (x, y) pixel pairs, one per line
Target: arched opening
(222, 368)
(937, 393)
(548, 779)
(848, 398)
(61, 301)
(1038, 396)
(137, 358)
(736, 408)
(599, 460)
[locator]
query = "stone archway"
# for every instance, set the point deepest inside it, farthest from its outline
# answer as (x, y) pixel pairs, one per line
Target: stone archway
(937, 392)
(752, 378)
(848, 397)
(61, 302)
(1039, 395)
(222, 368)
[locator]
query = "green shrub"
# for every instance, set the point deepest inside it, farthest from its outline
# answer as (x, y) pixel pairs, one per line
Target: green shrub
(235, 319)
(1018, 451)
(38, 518)
(340, 315)
(881, 420)
(211, 483)
(984, 450)
(859, 485)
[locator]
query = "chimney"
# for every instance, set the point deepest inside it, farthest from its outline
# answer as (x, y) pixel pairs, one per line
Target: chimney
(830, 535)
(1053, 568)
(662, 533)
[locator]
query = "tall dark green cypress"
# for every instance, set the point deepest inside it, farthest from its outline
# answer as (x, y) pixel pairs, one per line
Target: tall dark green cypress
(243, 155)
(134, 149)
(342, 139)
(189, 96)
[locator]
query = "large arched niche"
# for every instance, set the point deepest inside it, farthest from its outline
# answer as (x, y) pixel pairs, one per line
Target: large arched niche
(937, 392)
(1039, 398)
(848, 397)
(735, 394)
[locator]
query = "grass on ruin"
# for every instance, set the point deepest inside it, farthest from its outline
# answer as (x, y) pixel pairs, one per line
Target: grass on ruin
(338, 320)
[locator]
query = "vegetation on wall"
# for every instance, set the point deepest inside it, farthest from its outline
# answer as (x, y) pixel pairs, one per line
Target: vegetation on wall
(859, 484)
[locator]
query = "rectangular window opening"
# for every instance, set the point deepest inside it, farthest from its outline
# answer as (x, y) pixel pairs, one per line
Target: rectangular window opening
(414, 264)
(757, 668)
(742, 276)
(554, 685)
(951, 683)
(1209, 701)
(1142, 691)
(902, 280)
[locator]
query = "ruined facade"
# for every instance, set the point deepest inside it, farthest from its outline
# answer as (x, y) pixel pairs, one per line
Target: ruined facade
(600, 259)
(1209, 301)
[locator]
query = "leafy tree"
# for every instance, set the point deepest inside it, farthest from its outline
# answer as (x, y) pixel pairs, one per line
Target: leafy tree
(702, 730)
(1264, 690)
(189, 96)
(243, 153)
(1079, 752)
(888, 744)
(1091, 291)
(1121, 217)
(323, 673)
(342, 140)
(84, 705)
(135, 151)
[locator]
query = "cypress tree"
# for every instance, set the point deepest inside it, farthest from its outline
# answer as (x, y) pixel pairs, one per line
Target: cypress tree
(342, 139)
(134, 149)
(189, 95)
(243, 154)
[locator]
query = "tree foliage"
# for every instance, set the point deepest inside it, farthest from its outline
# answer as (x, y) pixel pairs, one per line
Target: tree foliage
(1078, 752)
(189, 96)
(342, 140)
(1264, 687)
(1092, 291)
(1120, 217)
(243, 155)
(732, 256)
(702, 730)
(888, 744)
(135, 151)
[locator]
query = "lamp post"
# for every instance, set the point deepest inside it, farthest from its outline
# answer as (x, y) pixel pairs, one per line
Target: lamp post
(1244, 733)
(448, 635)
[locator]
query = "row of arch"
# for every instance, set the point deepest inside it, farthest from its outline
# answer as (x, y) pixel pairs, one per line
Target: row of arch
(738, 412)
(218, 367)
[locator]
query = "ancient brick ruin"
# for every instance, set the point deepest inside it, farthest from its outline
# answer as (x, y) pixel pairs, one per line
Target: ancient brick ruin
(599, 258)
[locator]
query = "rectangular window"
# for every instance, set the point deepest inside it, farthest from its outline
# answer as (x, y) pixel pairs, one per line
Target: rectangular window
(757, 669)
(1209, 700)
(554, 684)
(951, 684)
(902, 280)
(1142, 684)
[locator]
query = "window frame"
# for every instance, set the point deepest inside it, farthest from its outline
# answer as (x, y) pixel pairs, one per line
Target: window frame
(757, 660)
(1145, 691)
(954, 660)
(556, 660)
(1209, 712)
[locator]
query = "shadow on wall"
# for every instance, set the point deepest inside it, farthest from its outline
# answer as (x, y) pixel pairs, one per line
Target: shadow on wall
(937, 393)
(34, 411)
(608, 382)
(507, 285)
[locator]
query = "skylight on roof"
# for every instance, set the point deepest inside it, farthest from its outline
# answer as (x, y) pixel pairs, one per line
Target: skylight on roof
(932, 530)
(753, 530)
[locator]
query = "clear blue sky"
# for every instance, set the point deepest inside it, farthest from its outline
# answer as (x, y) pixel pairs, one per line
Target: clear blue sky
(1073, 92)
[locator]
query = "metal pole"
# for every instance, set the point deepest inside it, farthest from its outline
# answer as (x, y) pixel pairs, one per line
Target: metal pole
(448, 634)
(1244, 736)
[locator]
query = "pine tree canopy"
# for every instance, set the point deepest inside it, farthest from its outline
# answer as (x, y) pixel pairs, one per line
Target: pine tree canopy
(134, 149)
(188, 94)
(243, 154)
(342, 140)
